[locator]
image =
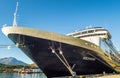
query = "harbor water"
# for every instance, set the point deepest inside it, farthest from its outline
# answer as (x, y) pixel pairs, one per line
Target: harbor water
(17, 75)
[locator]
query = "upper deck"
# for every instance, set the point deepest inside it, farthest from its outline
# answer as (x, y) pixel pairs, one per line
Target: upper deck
(93, 34)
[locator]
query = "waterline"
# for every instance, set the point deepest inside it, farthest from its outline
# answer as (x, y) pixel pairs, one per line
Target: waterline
(17, 75)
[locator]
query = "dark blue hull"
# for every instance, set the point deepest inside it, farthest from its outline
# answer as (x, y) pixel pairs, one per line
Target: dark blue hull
(39, 51)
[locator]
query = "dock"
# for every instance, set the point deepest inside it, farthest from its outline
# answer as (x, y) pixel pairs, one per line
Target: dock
(110, 76)
(94, 76)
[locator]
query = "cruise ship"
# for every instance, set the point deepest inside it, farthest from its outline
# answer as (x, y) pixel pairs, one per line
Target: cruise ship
(82, 52)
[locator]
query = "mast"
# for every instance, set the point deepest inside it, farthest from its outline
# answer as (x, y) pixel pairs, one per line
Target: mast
(15, 13)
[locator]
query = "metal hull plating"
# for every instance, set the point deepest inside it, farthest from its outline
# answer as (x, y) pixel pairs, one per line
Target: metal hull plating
(38, 50)
(82, 56)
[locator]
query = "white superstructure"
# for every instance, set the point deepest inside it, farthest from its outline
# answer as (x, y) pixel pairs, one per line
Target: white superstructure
(100, 37)
(93, 34)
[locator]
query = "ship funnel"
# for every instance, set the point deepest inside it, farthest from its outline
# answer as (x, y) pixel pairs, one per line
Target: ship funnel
(15, 13)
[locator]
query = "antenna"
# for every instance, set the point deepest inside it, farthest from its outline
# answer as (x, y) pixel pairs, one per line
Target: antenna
(15, 21)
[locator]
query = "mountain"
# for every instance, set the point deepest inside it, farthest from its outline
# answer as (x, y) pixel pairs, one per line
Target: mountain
(1, 64)
(11, 61)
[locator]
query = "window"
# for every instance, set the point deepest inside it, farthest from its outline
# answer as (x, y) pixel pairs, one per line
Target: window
(84, 32)
(76, 34)
(90, 31)
(100, 30)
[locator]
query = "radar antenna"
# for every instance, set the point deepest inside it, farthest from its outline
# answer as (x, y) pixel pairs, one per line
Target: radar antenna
(15, 21)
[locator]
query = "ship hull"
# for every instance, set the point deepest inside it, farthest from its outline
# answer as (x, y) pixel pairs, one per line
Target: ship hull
(39, 51)
(82, 59)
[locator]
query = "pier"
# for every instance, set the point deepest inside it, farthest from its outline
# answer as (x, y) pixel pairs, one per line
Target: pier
(94, 76)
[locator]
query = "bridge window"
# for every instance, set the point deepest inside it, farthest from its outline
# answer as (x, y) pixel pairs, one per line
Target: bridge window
(90, 31)
(77, 34)
(100, 30)
(84, 32)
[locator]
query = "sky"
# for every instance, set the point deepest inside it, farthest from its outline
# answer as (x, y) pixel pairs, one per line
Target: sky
(60, 16)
